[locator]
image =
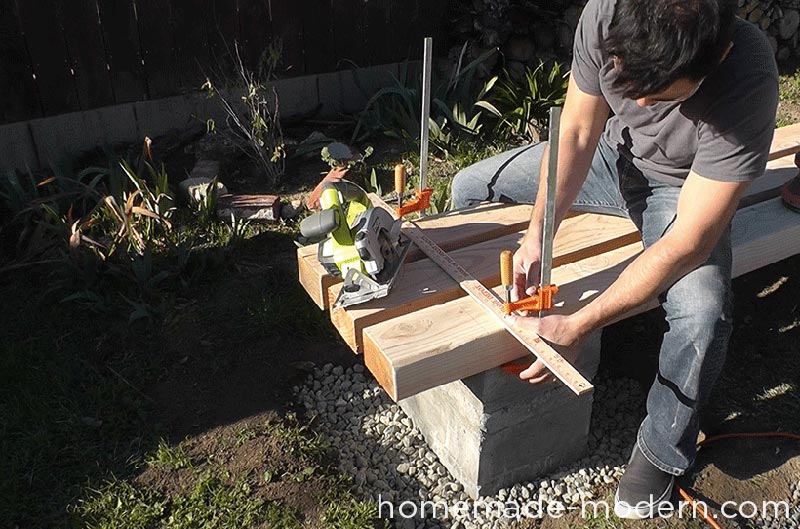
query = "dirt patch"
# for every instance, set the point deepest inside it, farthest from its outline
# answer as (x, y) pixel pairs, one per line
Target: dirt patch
(740, 470)
(248, 450)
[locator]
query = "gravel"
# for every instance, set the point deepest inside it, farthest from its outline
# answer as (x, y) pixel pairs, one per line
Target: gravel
(389, 460)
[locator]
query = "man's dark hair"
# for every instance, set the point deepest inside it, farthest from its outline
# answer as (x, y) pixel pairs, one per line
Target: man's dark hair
(657, 42)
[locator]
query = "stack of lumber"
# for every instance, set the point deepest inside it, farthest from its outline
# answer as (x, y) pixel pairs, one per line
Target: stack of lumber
(426, 332)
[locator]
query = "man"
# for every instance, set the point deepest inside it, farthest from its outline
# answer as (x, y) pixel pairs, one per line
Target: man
(693, 91)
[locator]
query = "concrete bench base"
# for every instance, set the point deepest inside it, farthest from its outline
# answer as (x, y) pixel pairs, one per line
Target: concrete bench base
(493, 430)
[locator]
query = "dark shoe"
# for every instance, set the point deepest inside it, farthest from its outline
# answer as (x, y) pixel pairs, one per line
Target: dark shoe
(642, 488)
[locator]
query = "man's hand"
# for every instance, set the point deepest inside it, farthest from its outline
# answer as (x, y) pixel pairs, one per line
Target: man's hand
(527, 267)
(560, 331)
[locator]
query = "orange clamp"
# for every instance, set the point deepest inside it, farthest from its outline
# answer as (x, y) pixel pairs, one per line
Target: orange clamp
(542, 300)
(420, 202)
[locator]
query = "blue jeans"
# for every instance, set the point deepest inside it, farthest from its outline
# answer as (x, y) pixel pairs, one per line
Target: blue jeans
(698, 306)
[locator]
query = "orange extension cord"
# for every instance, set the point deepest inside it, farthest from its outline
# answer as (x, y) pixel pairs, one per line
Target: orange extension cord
(685, 495)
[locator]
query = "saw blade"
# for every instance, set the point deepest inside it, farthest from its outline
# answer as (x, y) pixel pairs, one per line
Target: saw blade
(359, 287)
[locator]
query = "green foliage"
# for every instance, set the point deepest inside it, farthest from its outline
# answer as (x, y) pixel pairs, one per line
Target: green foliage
(352, 514)
(169, 456)
(522, 108)
(338, 154)
(212, 502)
(253, 123)
(111, 236)
(344, 511)
(457, 110)
(298, 439)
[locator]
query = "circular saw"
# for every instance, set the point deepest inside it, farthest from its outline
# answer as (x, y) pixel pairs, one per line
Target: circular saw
(357, 241)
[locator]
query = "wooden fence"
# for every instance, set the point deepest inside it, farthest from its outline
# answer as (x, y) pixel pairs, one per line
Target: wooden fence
(61, 56)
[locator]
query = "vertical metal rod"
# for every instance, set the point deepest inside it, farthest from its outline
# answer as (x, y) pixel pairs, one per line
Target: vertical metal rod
(550, 205)
(427, 63)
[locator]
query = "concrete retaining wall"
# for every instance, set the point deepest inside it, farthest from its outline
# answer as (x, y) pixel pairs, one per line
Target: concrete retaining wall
(42, 142)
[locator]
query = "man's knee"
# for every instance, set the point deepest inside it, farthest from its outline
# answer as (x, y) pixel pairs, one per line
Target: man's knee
(700, 304)
(462, 189)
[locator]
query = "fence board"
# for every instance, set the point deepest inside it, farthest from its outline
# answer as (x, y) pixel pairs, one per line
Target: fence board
(42, 26)
(222, 21)
(402, 14)
(431, 22)
(287, 28)
(62, 55)
(191, 42)
(318, 37)
(379, 32)
(349, 34)
(20, 95)
(158, 47)
(84, 38)
(121, 34)
(255, 31)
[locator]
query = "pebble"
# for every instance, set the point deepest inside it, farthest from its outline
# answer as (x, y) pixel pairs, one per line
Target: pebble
(387, 457)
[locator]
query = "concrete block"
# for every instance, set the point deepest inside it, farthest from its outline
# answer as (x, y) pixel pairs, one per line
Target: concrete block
(329, 89)
(17, 147)
(59, 137)
(48, 140)
(298, 95)
(159, 116)
(492, 430)
(348, 91)
(115, 124)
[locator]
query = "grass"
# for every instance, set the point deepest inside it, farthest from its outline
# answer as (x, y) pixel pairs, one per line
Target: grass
(212, 502)
(173, 457)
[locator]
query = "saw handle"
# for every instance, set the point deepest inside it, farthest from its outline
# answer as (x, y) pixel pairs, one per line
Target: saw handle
(319, 224)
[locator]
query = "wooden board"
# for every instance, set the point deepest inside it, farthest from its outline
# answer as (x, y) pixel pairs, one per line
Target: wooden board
(255, 29)
(492, 303)
(488, 221)
(412, 295)
(422, 283)
(45, 40)
(451, 230)
(785, 142)
(158, 47)
(379, 32)
(20, 95)
(191, 42)
(287, 31)
(84, 38)
(457, 339)
(348, 33)
(222, 21)
(318, 39)
(576, 293)
(454, 340)
(121, 34)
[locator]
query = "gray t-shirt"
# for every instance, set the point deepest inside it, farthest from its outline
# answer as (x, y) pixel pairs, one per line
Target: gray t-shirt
(723, 132)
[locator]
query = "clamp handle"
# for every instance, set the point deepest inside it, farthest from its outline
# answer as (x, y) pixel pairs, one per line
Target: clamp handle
(422, 197)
